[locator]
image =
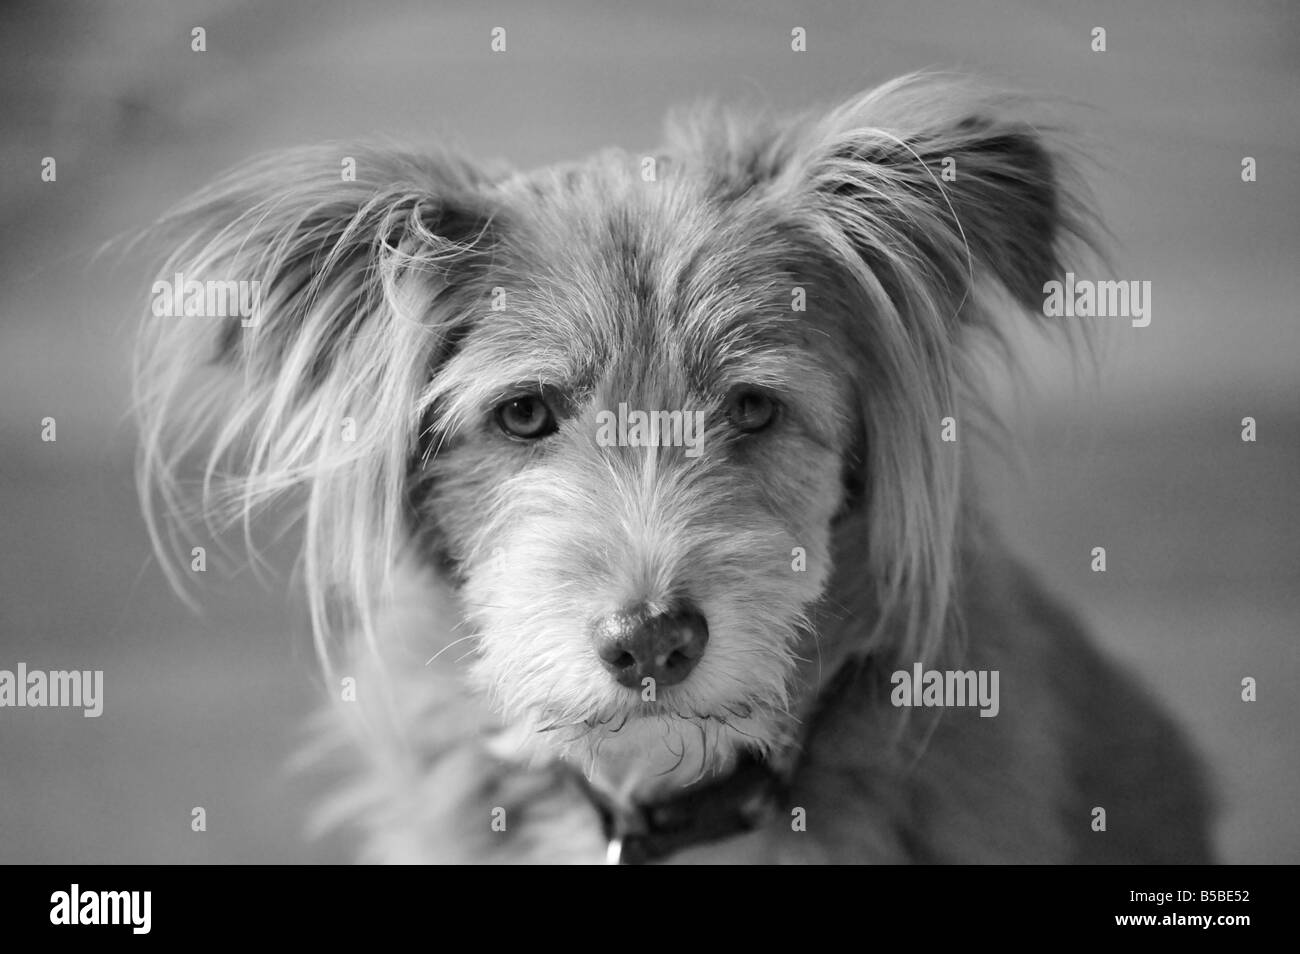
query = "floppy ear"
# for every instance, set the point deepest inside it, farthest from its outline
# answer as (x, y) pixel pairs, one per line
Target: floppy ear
(946, 185)
(353, 286)
(919, 198)
(325, 232)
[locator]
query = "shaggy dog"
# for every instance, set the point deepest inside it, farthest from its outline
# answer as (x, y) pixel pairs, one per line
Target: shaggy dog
(633, 522)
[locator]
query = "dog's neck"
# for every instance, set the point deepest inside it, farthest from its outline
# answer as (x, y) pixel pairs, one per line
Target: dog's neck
(736, 803)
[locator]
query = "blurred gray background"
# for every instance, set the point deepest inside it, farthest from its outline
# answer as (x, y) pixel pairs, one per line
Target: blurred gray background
(1143, 456)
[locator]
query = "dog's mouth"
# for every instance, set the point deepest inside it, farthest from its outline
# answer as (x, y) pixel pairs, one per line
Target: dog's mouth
(666, 710)
(646, 749)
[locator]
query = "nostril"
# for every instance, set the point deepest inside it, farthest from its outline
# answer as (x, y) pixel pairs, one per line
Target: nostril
(691, 633)
(622, 661)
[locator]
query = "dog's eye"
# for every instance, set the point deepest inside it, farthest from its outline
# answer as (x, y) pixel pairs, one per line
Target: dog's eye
(750, 410)
(526, 417)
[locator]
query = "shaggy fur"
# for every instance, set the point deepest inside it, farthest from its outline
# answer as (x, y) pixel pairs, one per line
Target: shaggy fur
(456, 573)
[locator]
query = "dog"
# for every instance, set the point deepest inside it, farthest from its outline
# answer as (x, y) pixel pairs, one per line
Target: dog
(633, 526)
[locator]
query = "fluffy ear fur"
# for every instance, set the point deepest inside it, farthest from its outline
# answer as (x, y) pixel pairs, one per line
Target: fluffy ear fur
(919, 173)
(320, 388)
(934, 181)
(918, 252)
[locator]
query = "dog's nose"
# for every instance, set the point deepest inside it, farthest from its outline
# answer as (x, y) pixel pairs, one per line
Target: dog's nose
(664, 647)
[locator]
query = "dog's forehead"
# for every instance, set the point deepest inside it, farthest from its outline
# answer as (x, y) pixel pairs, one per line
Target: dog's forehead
(608, 273)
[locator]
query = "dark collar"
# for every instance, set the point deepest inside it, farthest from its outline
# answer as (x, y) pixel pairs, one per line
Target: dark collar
(641, 833)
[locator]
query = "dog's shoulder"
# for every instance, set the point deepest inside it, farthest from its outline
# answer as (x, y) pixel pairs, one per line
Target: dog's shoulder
(1072, 733)
(1126, 754)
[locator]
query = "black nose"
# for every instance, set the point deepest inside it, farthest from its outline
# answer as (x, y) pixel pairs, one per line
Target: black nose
(635, 645)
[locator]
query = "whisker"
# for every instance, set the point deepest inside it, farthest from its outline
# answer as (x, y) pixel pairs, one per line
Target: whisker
(449, 645)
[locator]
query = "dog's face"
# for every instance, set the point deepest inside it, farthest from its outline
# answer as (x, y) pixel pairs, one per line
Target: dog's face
(639, 608)
(628, 414)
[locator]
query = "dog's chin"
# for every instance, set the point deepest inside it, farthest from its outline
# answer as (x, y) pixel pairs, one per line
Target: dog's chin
(650, 757)
(646, 757)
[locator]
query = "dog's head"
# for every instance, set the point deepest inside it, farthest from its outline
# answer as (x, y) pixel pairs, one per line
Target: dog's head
(637, 410)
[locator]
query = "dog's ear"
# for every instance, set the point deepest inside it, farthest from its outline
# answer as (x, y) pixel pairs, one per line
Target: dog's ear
(344, 274)
(916, 200)
(946, 186)
(327, 234)
(932, 182)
